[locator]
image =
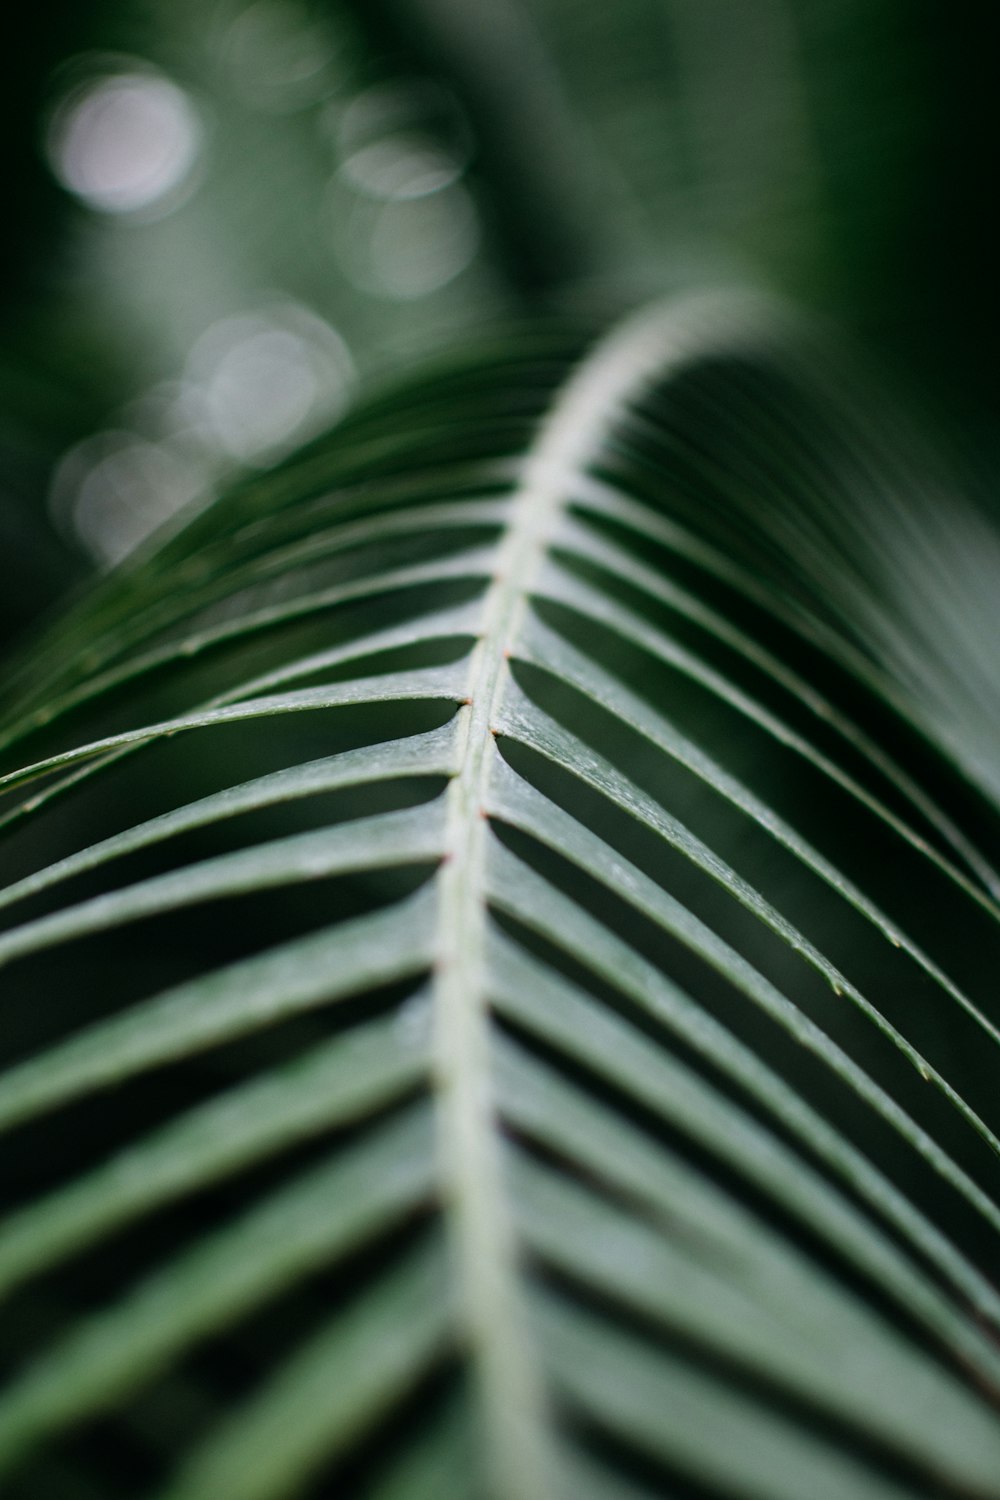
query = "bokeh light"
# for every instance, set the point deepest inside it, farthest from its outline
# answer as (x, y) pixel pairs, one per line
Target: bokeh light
(115, 488)
(255, 385)
(125, 140)
(270, 378)
(410, 247)
(401, 219)
(278, 56)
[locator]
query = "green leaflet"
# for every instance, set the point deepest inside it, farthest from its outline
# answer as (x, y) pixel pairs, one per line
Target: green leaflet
(422, 755)
(339, 1083)
(305, 1226)
(441, 683)
(336, 964)
(515, 803)
(658, 1403)
(334, 1387)
(602, 1117)
(653, 1080)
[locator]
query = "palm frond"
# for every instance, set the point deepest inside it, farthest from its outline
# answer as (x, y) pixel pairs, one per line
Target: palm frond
(500, 940)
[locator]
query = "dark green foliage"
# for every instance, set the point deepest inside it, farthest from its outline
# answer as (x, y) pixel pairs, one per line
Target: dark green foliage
(499, 964)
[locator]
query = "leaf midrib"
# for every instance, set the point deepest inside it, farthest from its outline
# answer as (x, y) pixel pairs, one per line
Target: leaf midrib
(519, 1455)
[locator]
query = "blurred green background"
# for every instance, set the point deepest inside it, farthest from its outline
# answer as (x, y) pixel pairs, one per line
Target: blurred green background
(222, 217)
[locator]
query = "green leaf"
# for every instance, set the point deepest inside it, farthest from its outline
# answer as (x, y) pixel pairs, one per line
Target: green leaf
(500, 957)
